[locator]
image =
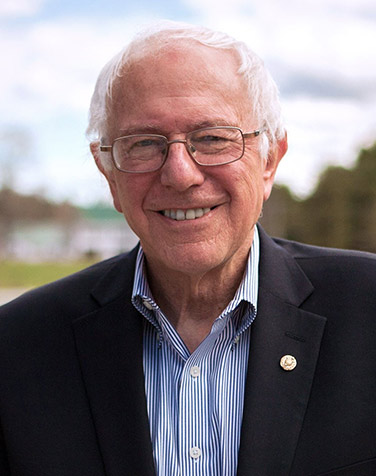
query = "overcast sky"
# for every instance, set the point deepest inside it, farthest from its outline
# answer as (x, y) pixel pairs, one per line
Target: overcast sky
(320, 52)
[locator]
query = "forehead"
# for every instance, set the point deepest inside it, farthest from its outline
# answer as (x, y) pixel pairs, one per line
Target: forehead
(186, 61)
(186, 82)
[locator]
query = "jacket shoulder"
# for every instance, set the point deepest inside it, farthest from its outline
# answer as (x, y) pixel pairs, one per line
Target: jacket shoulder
(69, 297)
(304, 251)
(345, 279)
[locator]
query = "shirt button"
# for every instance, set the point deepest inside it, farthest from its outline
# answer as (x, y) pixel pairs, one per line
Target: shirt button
(147, 304)
(195, 452)
(195, 371)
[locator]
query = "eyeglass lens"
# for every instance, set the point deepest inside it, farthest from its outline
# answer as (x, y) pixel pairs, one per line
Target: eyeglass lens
(138, 153)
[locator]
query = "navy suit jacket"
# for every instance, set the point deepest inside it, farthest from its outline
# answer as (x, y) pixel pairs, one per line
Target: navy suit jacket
(72, 400)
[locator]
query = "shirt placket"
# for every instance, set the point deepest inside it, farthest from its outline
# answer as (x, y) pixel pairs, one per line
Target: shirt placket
(194, 408)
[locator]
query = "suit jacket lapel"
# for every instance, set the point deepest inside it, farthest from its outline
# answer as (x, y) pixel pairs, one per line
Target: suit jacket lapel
(275, 399)
(109, 346)
(109, 343)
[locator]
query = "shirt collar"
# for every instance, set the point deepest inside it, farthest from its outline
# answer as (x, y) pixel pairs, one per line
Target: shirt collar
(144, 302)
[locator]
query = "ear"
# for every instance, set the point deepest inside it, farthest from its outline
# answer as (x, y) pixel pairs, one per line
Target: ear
(271, 164)
(108, 174)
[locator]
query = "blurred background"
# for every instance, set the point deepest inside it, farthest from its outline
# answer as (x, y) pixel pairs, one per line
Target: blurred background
(55, 210)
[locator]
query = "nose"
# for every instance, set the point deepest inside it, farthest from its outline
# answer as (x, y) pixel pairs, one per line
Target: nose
(180, 171)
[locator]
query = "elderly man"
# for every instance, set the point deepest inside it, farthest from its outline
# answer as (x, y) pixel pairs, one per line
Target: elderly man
(211, 349)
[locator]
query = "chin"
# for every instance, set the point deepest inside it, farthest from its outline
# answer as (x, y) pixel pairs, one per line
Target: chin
(188, 258)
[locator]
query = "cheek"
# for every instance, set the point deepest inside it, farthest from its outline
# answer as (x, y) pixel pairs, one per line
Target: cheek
(130, 196)
(247, 198)
(247, 185)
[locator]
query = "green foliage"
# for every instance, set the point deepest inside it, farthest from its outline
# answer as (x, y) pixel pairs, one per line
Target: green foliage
(340, 213)
(18, 274)
(101, 212)
(29, 208)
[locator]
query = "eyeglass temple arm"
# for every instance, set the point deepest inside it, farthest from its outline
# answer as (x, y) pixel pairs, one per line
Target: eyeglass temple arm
(105, 148)
(253, 133)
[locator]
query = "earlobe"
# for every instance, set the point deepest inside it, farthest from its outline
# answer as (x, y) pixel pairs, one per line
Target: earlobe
(282, 147)
(115, 196)
(95, 152)
(274, 158)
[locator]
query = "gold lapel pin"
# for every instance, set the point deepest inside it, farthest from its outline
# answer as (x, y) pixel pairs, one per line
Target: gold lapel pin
(288, 362)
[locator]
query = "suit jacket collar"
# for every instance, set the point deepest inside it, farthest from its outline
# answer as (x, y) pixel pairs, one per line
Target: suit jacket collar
(276, 400)
(279, 274)
(109, 346)
(117, 281)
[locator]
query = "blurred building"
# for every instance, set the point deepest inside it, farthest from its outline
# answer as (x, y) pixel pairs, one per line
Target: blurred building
(96, 232)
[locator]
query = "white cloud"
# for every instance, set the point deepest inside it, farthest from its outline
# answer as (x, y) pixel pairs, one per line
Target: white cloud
(328, 35)
(282, 10)
(329, 42)
(46, 89)
(52, 67)
(323, 132)
(18, 8)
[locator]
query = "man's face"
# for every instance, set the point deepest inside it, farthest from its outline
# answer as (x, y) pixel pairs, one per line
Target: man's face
(179, 92)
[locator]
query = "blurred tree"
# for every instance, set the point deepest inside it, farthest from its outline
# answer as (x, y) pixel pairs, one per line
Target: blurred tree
(15, 149)
(340, 213)
(325, 215)
(280, 212)
(363, 198)
(16, 208)
(16, 146)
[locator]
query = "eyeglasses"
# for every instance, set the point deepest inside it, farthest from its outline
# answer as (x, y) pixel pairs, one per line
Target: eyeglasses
(211, 146)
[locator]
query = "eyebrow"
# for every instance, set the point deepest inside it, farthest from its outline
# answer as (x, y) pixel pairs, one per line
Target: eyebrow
(155, 129)
(141, 129)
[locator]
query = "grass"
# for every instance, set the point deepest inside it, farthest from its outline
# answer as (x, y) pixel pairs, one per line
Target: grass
(15, 274)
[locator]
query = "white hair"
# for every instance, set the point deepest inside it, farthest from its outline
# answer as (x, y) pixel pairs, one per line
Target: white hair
(262, 90)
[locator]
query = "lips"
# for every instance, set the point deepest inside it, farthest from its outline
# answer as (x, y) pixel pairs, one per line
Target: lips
(181, 215)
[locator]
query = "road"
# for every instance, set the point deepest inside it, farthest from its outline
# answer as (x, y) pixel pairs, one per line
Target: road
(7, 294)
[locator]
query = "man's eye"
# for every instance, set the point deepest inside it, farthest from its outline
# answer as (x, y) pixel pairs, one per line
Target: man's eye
(144, 143)
(210, 138)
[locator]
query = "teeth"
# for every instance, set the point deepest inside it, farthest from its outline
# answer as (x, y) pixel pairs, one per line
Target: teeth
(199, 212)
(189, 214)
(180, 215)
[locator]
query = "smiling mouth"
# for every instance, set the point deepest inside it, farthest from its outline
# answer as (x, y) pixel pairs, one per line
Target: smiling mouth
(190, 214)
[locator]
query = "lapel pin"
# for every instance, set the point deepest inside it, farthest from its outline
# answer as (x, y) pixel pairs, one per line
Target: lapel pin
(288, 362)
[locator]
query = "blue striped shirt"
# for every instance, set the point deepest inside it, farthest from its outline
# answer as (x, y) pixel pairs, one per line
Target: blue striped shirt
(195, 401)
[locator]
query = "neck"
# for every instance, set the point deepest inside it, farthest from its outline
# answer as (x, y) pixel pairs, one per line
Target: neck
(192, 302)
